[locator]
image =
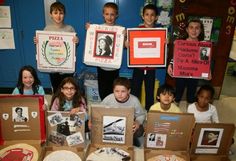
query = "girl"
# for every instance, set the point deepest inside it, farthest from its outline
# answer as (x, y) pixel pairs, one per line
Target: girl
(28, 82)
(203, 110)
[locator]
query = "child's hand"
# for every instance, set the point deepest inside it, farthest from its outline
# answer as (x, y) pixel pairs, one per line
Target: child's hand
(126, 44)
(75, 39)
(36, 40)
(74, 110)
(90, 124)
(87, 25)
(135, 126)
(170, 70)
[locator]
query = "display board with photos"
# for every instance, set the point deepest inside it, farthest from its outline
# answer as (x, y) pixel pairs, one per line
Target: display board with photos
(104, 46)
(22, 127)
(66, 136)
(55, 51)
(166, 138)
(112, 134)
(192, 59)
(147, 47)
(212, 141)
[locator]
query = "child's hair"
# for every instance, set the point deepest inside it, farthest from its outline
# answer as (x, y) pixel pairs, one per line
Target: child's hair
(206, 87)
(77, 98)
(165, 88)
(150, 7)
(35, 85)
(111, 5)
(201, 35)
(57, 6)
(122, 81)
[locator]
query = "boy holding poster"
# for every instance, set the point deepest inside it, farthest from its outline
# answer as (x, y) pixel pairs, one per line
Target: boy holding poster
(195, 33)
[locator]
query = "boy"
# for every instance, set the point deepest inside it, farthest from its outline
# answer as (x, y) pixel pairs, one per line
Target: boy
(146, 74)
(166, 97)
(121, 97)
(57, 14)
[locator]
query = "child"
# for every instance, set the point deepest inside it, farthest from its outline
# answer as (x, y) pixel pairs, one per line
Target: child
(57, 13)
(203, 110)
(28, 82)
(146, 74)
(121, 97)
(166, 97)
(106, 76)
(195, 32)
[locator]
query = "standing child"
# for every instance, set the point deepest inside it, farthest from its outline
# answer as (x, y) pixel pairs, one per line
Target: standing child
(195, 32)
(28, 82)
(203, 110)
(121, 97)
(57, 13)
(146, 74)
(165, 97)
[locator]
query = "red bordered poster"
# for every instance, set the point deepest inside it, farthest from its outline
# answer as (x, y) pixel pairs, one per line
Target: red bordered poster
(192, 59)
(147, 47)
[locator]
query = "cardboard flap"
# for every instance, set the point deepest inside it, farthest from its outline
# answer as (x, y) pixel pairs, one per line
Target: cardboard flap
(19, 127)
(211, 138)
(169, 131)
(112, 125)
(65, 129)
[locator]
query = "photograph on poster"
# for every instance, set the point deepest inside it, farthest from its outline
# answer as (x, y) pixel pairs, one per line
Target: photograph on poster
(104, 44)
(74, 139)
(155, 140)
(204, 53)
(55, 119)
(210, 137)
(76, 120)
(20, 114)
(114, 129)
(56, 138)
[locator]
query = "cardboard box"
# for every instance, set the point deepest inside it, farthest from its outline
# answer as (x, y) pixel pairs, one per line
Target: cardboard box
(168, 134)
(22, 136)
(111, 128)
(65, 132)
(211, 142)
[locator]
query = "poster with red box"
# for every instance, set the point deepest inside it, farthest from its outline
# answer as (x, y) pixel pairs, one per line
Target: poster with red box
(192, 59)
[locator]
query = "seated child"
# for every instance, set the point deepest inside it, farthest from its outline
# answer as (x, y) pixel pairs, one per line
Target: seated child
(203, 110)
(165, 98)
(121, 97)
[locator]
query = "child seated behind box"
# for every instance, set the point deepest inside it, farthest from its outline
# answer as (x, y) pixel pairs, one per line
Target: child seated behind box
(121, 97)
(165, 98)
(203, 110)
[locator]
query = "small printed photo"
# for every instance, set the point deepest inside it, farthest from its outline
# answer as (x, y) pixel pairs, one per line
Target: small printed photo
(55, 119)
(156, 140)
(204, 53)
(76, 120)
(104, 44)
(20, 114)
(210, 137)
(64, 127)
(57, 138)
(75, 139)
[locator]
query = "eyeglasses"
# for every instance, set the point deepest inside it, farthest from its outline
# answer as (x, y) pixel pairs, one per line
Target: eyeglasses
(69, 88)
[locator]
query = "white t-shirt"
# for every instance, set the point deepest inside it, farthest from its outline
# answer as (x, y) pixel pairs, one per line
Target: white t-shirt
(209, 116)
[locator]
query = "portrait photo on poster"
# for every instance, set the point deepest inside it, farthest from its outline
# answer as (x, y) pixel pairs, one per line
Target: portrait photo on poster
(104, 45)
(210, 137)
(155, 140)
(204, 53)
(20, 114)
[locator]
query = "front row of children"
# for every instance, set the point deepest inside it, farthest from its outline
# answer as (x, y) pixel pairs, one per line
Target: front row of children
(69, 98)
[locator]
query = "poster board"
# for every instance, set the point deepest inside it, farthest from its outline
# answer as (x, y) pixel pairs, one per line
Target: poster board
(55, 51)
(147, 47)
(104, 46)
(192, 59)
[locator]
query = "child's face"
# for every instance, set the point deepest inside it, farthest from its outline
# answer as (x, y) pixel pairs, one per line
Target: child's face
(57, 17)
(166, 98)
(109, 15)
(68, 90)
(203, 99)
(193, 30)
(27, 79)
(121, 93)
(149, 18)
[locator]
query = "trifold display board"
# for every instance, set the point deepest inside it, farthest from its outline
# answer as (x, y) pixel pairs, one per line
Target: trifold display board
(112, 134)
(22, 127)
(168, 136)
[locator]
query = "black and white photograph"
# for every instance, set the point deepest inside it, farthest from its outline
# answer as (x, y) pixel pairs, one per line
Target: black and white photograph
(55, 119)
(104, 44)
(156, 140)
(75, 139)
(76, 120)
(114, 129)
(20, 114)
(210, 137)
(204, 53)
(57, 138)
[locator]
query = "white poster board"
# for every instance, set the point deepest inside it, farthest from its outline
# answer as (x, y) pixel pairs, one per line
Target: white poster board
(55, 51)
(104, 46)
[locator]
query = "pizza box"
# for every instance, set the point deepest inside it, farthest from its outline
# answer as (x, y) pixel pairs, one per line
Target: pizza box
(211, 142)
(111, 132)
(22, 127)
(65, 135)
(168, 136)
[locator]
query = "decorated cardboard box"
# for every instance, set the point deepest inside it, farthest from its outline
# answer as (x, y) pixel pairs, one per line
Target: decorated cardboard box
(168, 136)
(22, 127)
(65, 136)
(211, 142)
(111, 134)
